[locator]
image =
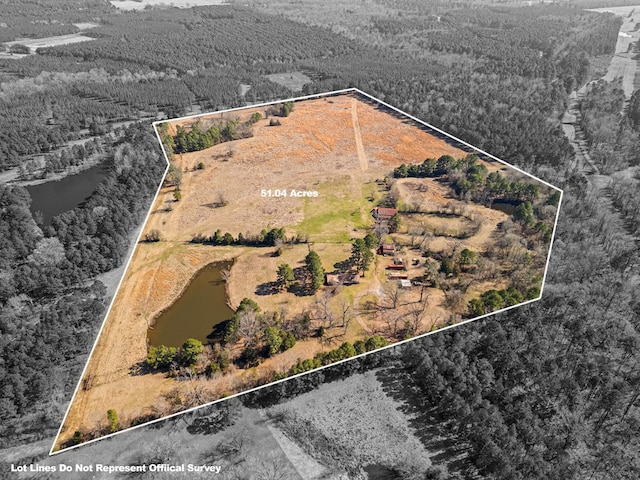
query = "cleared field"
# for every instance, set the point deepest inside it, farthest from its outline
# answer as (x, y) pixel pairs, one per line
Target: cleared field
(624, 63)
(259, 440)
(294, 81)
(249, 444)
(337, 148)
(34, 43)
(371, 430)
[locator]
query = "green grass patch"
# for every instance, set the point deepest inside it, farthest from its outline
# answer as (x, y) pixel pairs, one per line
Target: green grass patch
(336, 212)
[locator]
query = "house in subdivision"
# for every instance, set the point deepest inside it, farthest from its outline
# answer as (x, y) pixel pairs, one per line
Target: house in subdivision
(334, 279)
(383, 214)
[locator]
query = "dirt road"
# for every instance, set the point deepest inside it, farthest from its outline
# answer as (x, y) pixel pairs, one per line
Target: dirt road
(362, 157)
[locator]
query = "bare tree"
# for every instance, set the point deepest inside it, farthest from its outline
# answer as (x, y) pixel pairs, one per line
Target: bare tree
(419, 311)
(221, 199)
(454, 299)
(225, 273)
(427, 236)
(414, 233)
(346, 313)
(387, 317)
(323, 310)
(392, 293)
(249, 326)
(455, 246)
(272, 467)
(433, 321)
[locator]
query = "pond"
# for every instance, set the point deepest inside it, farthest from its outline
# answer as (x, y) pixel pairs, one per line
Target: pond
(201, 307)
(505, 206)
(58, 196)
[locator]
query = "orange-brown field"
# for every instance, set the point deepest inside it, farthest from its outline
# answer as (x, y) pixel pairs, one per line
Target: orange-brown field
(338, 146)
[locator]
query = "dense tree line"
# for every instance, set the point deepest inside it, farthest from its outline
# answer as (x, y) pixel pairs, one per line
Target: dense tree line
(612, 144)
(60, 161)
(203, 38)
(266, 238)
(50, 306)
(43, 121)
(168, 93)
(215, 89)
(344, 351)
(37, 19)
(467, 176)
(198, 138)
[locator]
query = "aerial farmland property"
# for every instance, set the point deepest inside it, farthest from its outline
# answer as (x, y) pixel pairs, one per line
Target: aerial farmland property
(293, 235)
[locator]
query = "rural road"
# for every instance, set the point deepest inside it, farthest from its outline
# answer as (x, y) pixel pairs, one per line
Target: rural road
(573, 131)
(623, 64)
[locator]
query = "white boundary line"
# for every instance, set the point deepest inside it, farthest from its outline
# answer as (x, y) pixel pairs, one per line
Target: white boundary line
(104, 321)
(307, 97)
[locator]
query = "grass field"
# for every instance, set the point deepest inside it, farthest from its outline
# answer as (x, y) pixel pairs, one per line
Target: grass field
(352, 423)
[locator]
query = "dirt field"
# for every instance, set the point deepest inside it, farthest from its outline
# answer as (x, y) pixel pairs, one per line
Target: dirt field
(339, 147)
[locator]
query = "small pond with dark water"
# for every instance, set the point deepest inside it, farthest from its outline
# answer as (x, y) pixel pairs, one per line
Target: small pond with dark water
(202, 306)
(58, 196)
(508, 207)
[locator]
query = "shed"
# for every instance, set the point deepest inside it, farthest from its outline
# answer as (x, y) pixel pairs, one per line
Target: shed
(387, 249)
(382, 213)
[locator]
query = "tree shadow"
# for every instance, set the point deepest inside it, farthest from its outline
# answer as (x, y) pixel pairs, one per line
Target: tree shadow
(300, 290)
(301, 287)
(267, 288)
(218, 331)
(434, 432)
(211, 424)
(139, 369)
(214, 204)
(343, 266)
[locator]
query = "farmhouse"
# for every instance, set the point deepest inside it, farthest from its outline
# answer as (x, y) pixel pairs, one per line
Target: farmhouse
(381, 213)
(342, 279)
